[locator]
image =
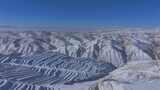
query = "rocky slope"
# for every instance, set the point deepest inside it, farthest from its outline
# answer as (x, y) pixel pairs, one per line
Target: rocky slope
(116, 48)
(47, 69)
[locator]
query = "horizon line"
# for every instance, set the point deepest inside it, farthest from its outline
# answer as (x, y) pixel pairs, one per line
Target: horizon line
(69, 28)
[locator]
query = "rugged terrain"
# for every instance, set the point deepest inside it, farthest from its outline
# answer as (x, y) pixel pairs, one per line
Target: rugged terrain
(135, 54)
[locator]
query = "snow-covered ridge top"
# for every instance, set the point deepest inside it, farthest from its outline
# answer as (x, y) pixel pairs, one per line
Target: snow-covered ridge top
(117, 48)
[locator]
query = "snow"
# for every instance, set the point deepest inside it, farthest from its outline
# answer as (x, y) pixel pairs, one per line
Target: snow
(133, 76)
(134, 53)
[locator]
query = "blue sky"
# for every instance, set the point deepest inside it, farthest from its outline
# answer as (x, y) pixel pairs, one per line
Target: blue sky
(80, 12)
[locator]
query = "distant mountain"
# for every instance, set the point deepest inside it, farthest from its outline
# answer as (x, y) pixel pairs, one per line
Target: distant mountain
(115, 47)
